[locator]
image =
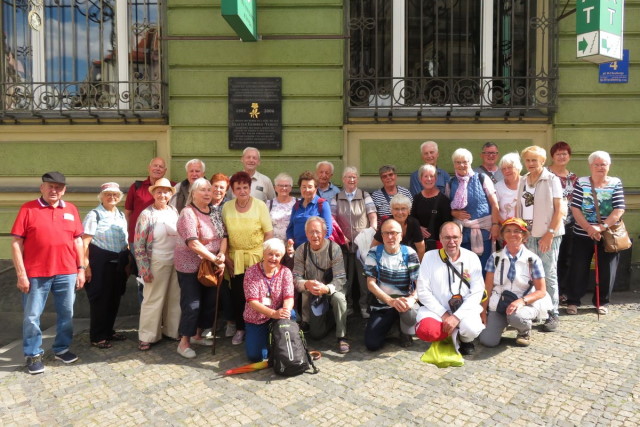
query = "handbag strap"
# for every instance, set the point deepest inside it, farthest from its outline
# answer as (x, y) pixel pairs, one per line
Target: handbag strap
(595, 200)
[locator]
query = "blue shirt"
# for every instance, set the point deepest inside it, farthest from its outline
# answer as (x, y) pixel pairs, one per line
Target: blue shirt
(109, 229)
(299, 216)
(442, 178)
(329, 193)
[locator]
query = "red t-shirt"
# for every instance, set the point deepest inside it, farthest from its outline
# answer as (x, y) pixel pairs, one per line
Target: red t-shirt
(48, 235)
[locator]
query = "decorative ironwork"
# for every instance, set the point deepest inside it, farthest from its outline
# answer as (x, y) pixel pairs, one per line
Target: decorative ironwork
(40, 80)
(451, 64)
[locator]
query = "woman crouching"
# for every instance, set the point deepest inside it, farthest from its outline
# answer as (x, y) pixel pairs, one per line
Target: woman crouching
(516, 287)
(268, 289)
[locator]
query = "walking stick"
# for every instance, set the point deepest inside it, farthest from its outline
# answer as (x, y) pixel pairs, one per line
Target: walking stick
(215, 317)
(595, 255)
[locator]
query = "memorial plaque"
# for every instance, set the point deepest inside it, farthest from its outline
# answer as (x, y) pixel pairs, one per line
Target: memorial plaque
(255, 112)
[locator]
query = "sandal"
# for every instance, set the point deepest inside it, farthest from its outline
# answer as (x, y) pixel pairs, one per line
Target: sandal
(144, 346)
(572, 309)
(117, 337)
(343, 346)
(603, 310)
(101, 344)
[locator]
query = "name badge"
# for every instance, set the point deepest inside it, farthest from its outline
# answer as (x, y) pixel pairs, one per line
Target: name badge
(68, 216)
(260, 188)
(266, 301)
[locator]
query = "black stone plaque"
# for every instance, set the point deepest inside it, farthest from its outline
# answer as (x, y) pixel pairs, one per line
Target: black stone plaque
(255, 112)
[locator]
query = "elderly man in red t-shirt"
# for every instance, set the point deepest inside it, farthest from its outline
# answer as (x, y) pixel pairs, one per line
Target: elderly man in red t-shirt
(138, 199)
(48, 255)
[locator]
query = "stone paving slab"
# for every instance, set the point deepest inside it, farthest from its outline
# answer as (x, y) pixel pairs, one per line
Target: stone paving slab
(585, 374)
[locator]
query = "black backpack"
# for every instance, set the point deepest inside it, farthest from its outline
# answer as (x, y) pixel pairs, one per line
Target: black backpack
(289, 355)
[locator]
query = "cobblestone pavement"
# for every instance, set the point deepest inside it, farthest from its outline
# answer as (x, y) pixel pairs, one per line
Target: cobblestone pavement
(587, 373)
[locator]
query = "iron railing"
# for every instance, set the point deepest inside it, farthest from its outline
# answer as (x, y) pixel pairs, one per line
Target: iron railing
(447, 58)
(84, 59)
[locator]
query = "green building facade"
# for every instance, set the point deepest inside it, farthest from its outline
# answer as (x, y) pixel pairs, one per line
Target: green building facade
(311, 45)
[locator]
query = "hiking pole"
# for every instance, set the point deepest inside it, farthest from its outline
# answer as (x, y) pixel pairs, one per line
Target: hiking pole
(215, 318)
(595, 255)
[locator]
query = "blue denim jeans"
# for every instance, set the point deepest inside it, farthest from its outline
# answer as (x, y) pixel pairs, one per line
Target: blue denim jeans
(63, 288)
(256, 342)
(550, 264)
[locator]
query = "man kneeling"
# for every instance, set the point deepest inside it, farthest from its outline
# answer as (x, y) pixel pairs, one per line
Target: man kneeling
(392, 271)
(450, 287)
(319, 275)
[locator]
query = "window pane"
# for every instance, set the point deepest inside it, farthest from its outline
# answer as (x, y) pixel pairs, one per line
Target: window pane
(370, 52)
(443, 51)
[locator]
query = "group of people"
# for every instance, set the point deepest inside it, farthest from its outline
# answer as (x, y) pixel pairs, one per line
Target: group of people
(462, 256)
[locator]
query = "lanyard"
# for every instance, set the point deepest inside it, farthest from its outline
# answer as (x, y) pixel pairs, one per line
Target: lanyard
(451, 275)
(268, 281)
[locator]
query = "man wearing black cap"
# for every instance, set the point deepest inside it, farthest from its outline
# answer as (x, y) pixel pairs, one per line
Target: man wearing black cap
(48, 254)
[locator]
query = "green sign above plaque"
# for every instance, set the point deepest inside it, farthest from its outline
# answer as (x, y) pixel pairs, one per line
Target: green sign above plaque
(241, 16)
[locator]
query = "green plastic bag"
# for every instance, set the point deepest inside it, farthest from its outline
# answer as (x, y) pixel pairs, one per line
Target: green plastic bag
(443, 354)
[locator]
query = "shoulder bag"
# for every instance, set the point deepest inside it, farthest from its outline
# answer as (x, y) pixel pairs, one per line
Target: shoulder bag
(615, 238)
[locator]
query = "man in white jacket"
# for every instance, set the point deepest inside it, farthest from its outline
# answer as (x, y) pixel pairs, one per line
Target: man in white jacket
(450, 287)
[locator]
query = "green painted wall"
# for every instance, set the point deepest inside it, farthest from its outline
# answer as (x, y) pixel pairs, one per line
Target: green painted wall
(309, 63)
(593, 116)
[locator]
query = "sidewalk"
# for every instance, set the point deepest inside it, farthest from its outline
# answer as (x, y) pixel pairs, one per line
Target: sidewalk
(587, 373)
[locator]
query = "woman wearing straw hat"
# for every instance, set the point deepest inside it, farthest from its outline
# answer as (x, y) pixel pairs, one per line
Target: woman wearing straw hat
(154, 245)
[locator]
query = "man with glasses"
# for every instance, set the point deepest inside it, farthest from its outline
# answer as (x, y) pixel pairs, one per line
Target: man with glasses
(392, 271)
(382, 197)
(261, 185)
(319, 275)
(489, 164)
(450, 287)
(429, 153)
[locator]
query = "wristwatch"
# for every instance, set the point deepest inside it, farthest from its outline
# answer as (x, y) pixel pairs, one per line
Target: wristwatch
(82, 267)
(552, 231)
(605, 225)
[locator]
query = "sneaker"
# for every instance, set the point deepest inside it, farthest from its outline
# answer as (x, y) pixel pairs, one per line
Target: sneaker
(406, 340)
(467, 348)
(201, 341)
(230, 330)
(365, 313)
(523, 339)
(187, 353)
(66, 357)
(35, 365)
(207, 333)
(551, 323)
(238, 338)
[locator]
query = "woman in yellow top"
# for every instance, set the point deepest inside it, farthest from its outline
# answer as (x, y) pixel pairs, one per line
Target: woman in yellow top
(248, 226)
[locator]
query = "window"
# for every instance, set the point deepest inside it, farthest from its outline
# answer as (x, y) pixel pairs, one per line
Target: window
(444, 57)
(81, 58)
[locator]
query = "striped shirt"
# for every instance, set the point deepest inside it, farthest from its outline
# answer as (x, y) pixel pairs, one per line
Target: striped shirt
(394, 276)
(382, 200)
(609, 198)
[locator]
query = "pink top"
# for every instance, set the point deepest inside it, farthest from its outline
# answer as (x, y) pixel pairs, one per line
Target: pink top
(186, 260)
(257, 286)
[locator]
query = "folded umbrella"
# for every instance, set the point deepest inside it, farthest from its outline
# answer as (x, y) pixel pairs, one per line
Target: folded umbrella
(251, 367)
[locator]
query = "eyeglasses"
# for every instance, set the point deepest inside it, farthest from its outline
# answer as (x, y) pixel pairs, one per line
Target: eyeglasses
(454, 238)
(458, 163)
(490, 153)
(283, 186)
(387, 175)
(390, 233)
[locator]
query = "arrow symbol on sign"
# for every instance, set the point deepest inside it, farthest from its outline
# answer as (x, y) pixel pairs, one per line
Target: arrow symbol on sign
(582, 45)
(604, 44)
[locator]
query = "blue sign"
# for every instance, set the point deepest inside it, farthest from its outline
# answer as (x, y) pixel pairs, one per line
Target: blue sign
(616, 71)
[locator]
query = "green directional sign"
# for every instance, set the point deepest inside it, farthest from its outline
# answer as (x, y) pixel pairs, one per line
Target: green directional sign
(241, 16)
(599, 28)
